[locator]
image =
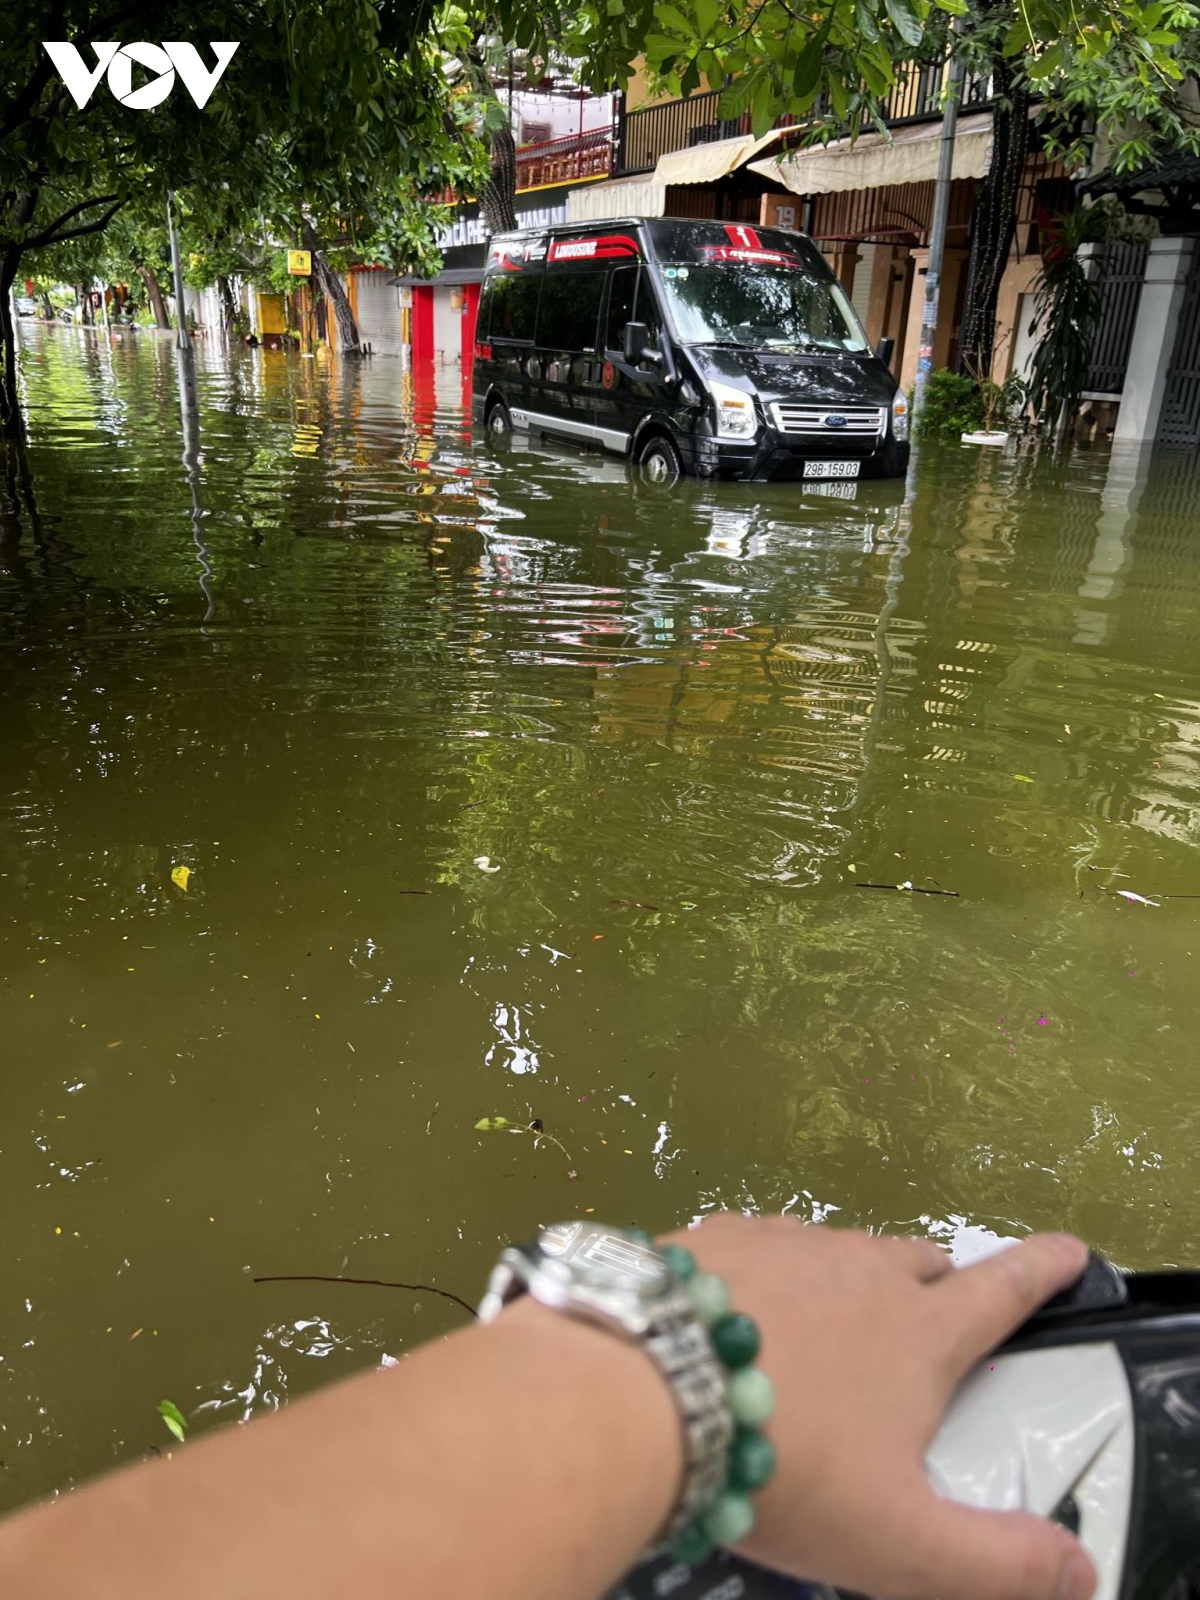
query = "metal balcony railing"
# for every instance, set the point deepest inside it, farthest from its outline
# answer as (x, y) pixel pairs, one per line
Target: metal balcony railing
(642, 136)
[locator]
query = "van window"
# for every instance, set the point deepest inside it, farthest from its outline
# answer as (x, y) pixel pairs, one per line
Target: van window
(620, 305)
(514, 306)
(631, 301)
(761, 305)
(569, 309)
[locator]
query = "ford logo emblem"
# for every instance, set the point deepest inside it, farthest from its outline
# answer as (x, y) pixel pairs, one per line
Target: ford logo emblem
(833, 420)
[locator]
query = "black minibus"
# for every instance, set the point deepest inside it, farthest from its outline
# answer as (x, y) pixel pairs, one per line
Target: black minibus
(713, 348)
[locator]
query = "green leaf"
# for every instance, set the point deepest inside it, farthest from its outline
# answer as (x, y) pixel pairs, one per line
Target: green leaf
(174, 1418)
(808, 68)
(669, 17)
(867, 25)
(763, 108)
(707, 13)
(487, 1124)
(615, 8)
(737, 97)
(903, 20)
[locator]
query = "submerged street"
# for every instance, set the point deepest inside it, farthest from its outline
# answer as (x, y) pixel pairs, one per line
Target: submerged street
(739, 845)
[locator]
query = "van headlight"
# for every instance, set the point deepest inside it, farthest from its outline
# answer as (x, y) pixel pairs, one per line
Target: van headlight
(735, 412)
(900, 415)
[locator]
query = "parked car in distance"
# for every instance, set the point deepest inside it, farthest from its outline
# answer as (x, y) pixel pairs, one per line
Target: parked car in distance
(25, 306)
(712, 348)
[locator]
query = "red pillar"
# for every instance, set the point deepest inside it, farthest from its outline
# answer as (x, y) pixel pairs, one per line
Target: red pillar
(422, 323)
(470, 316)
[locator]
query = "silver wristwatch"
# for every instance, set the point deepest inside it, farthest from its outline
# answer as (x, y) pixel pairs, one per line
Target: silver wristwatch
(607, 1277)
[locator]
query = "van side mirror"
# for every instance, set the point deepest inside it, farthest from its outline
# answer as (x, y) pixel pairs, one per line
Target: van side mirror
(637, 344)
(885, 349)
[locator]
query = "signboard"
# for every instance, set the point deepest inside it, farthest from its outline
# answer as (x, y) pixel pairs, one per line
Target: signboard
(300, 263)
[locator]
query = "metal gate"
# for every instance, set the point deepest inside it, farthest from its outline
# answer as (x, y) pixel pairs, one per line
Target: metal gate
(1180, 420)
(1121, 266)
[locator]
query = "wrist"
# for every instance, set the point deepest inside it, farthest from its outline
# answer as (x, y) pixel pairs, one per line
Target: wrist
(621, 1412)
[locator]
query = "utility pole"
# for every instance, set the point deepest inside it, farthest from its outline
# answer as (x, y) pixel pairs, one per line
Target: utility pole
(937, 227)
(184, 356)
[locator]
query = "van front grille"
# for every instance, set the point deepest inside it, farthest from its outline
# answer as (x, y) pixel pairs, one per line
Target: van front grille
(857, 422)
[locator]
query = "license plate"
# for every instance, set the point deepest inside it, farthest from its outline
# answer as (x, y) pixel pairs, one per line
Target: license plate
(833, 489)
(831, 469)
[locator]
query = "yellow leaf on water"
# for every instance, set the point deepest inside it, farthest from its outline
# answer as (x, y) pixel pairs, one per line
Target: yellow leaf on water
(180, 876)
(1021, 778)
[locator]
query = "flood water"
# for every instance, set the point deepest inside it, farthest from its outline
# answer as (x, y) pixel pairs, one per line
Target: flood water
(510, 787)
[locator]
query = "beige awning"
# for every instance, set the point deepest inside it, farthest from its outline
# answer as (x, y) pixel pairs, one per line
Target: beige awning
(871, 161)
(703, 163)
(706, 163)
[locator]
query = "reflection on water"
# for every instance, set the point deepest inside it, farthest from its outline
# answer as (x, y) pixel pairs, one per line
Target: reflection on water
(511, 787)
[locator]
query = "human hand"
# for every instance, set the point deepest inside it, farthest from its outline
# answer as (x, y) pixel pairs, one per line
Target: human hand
(865, 1339)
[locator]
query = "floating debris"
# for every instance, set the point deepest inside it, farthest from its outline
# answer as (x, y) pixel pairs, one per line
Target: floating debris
(1138, 899)
(180, 876)
(910, 888)
(634, 905)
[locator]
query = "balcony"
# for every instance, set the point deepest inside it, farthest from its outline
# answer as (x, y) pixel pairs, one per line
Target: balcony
(579, 155)
(653, 131)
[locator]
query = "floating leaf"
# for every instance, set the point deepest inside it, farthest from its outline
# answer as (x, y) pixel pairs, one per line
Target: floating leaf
(486, 1124)
(180, 876)
(1021, 778)
(174, 1418)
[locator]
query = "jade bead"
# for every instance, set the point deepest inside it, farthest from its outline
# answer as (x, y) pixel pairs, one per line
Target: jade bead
(735, 1339)
(751, 1460)
(751, 1397)
(729, 1519)
(693, 1546)
(710, 1297)
(681, 1262)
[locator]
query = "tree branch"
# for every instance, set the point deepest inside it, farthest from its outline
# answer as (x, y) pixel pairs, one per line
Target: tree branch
(51, 235)
(76, 233)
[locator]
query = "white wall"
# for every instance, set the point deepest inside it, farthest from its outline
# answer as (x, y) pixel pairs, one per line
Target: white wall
(447, 328)
(561, 113)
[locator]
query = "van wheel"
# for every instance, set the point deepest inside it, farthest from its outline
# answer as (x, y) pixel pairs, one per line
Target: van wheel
(499, 423)
(660, 462)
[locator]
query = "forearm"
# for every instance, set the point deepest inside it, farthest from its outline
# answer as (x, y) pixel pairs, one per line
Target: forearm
(534, 1458)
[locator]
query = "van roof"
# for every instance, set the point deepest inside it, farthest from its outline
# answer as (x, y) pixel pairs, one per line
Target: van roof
(582, 227)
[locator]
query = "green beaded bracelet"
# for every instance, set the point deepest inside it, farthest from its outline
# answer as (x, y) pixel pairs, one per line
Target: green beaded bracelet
(750, 1463)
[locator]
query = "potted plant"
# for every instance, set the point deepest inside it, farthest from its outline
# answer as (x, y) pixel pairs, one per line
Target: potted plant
(992, 399)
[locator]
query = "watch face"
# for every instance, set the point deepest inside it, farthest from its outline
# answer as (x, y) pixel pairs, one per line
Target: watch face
(604, 1258)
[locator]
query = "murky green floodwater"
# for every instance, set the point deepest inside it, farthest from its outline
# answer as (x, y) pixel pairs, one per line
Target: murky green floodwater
(511, 788)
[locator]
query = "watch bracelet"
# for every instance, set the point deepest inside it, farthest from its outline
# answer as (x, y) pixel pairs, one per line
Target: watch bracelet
(679, 1345)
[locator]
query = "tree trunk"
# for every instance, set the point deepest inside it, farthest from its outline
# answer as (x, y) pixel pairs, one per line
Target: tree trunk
(995, 221)
(83, 303)
(10, 400)
(228, 308)
(154, 295)
(348, 341)
(497, 193)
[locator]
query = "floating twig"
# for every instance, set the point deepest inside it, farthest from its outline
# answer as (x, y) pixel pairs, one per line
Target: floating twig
(412, 891)
(910, 888)
(373, 1283)
(635, 905)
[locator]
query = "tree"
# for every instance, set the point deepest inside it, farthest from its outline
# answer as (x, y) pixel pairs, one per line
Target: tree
(324, 111)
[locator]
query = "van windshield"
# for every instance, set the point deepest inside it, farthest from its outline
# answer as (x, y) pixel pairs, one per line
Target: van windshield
(761, 306)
